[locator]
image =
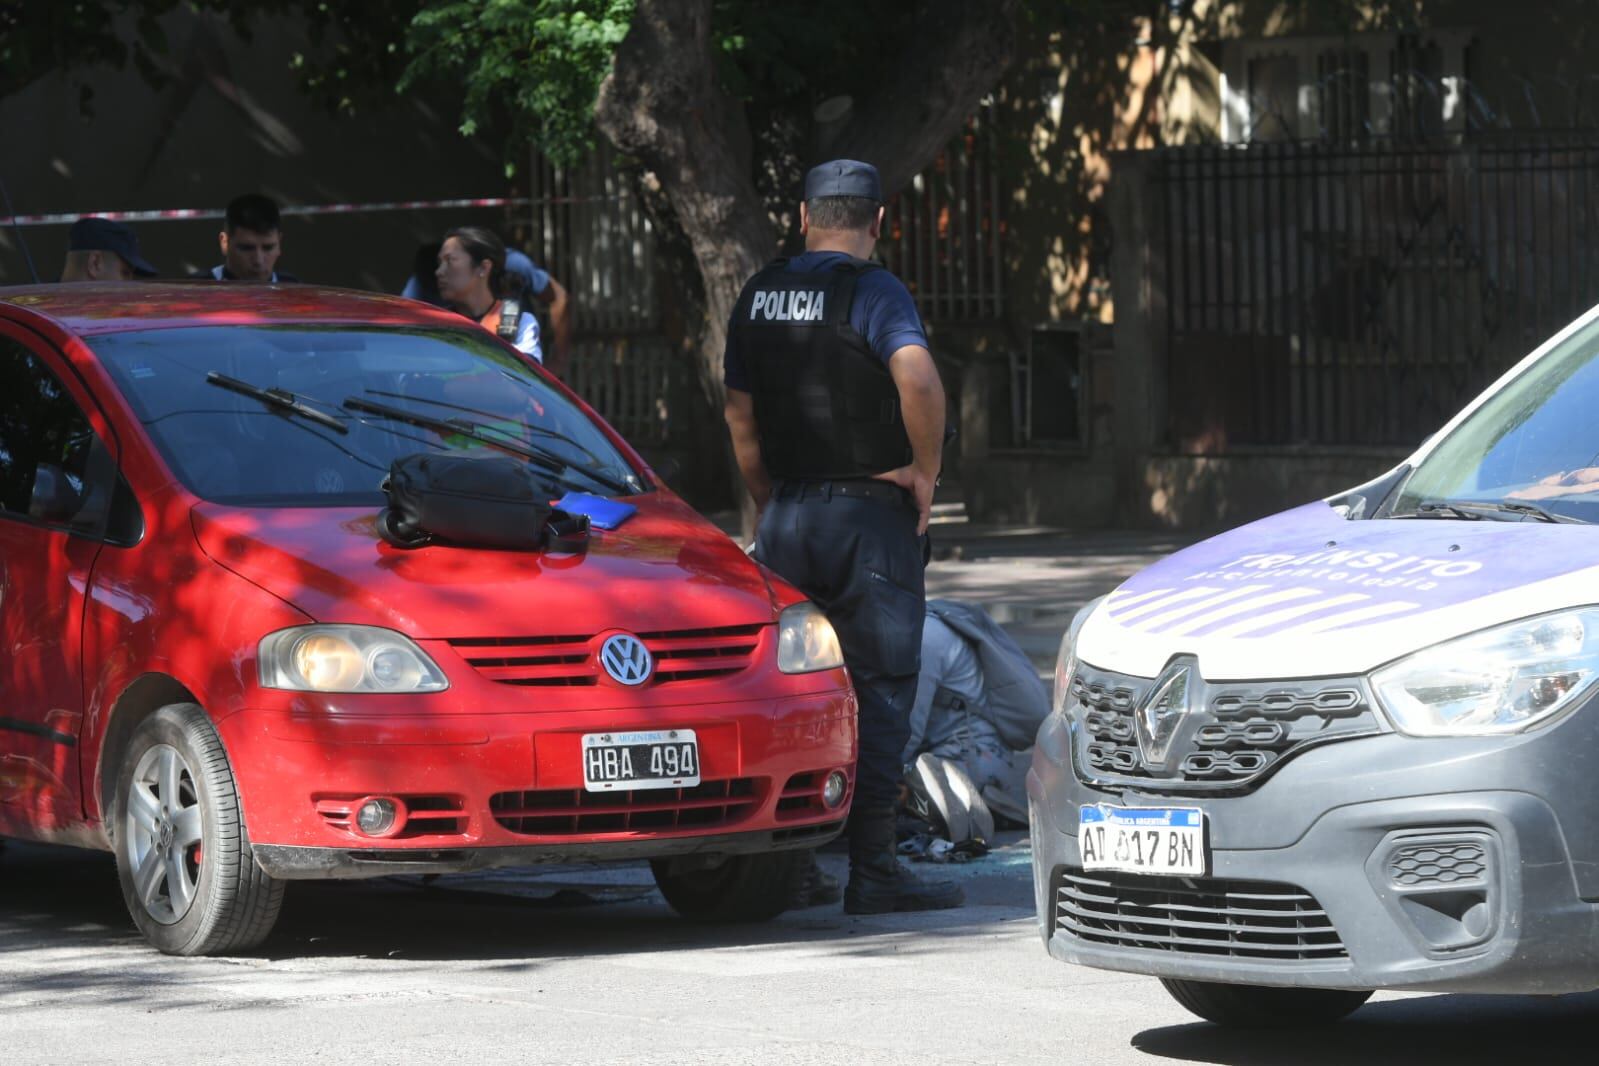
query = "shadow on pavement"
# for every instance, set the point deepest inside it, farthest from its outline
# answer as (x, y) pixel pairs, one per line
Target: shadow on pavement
(60, 904)
(1458, 1029)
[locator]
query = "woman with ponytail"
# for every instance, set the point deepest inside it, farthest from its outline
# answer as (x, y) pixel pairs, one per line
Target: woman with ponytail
(471, 276)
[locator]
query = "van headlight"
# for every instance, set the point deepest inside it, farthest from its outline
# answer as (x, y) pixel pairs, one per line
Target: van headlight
(1065, 666)
(806, 642)
(337, 658)
(1503, 680)
(1066, 658)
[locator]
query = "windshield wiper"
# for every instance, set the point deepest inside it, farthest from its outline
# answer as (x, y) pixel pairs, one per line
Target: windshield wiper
(1480, 509)
(485, 435)
(537, 430)
(1534, 511)
(277, 399)
(1444, 509)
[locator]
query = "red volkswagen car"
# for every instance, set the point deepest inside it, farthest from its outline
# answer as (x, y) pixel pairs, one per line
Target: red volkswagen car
(213, 665)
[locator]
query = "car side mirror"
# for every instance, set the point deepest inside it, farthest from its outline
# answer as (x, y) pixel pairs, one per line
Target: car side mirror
(54, 497)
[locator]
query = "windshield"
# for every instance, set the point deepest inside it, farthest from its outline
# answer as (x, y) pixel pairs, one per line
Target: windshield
(1536, 441)
(203, 396)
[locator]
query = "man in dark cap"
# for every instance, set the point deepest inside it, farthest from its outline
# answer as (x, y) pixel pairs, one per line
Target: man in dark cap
(102, 250)
(837, 417)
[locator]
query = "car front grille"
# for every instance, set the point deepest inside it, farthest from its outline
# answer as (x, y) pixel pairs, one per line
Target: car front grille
(1232, 735)
(576, 812)
(565, 661)
(1195, 916)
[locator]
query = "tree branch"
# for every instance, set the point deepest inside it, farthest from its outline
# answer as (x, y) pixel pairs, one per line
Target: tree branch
(958, 53)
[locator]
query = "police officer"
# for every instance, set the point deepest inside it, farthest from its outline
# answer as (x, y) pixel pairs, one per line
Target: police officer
(102, 250)
(837, 417)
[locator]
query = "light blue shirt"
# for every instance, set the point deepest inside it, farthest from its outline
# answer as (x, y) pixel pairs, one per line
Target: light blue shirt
(950, 668)
(527, 336)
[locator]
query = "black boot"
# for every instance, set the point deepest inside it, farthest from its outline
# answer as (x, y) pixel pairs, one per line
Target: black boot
(878, 884)
(813, 886)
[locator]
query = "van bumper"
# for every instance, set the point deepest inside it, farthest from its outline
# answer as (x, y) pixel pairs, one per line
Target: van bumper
(1430, 870)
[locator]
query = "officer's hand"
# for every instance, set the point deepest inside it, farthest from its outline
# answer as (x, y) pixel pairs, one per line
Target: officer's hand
(919, 485)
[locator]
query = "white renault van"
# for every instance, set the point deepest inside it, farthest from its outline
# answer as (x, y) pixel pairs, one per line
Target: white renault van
(1355, 745)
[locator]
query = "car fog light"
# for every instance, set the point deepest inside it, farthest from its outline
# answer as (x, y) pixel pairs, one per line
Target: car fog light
(376, 817)
(834, 788)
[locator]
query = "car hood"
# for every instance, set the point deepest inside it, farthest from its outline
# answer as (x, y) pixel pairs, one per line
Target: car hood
(664, 569)
(1308, 594)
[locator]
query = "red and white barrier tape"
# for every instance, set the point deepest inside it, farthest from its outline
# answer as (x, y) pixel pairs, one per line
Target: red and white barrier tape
(307, 209)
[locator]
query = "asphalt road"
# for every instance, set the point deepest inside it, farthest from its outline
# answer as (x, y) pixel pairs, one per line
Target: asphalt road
(588, 965)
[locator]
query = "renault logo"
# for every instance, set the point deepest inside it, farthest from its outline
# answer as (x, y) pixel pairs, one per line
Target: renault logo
(1163, 711)
(626, 659)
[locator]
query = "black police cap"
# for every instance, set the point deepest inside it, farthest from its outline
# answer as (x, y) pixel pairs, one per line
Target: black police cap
(844, 177)
(103, 235)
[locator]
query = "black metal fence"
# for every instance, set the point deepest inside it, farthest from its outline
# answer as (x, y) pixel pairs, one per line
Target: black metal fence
(943, 234)
(1331, 295)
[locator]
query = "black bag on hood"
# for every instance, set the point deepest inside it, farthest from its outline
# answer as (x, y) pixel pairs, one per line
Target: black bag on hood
(478, 502)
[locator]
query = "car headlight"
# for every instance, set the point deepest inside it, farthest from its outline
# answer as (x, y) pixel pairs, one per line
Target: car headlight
(806, 642)
(1066, 658)
(1502, 680)
(336, 658)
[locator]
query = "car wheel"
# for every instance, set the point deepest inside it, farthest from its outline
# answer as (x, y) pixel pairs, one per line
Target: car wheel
(188, 875)
(729, 888)
(1261, 1007)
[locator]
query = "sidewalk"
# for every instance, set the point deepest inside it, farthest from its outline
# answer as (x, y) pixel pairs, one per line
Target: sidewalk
(1032, 579)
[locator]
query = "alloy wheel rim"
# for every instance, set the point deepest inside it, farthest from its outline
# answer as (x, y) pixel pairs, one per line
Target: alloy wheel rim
(164, 834)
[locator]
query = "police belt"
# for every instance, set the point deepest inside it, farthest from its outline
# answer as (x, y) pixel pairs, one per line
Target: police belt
(853, 488)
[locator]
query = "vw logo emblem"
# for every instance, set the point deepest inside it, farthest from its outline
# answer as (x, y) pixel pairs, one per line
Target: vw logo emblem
(626, 659)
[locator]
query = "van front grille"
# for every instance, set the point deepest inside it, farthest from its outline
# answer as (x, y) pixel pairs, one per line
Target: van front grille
(1195, 916)
(1232, 734)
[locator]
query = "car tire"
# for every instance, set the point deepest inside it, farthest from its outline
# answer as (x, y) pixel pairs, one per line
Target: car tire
(1262, 1007)
(731, 888)
(188, 875)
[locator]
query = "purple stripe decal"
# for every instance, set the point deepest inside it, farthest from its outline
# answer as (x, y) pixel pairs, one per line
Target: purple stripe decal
(1273, 621)
(1160, 621)
(1298, 605)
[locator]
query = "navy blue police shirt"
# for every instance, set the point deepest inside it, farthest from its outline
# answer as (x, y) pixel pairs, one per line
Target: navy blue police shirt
(883, 312)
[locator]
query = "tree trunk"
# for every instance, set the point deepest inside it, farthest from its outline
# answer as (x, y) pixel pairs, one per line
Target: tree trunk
(661, 103)
(930, 87)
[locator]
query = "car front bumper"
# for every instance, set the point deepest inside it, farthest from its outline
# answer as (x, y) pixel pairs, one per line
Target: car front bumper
(503, 789)
(313, 864)
(1462, 865)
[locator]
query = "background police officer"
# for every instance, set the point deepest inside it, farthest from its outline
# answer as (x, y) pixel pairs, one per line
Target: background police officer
(837, 417)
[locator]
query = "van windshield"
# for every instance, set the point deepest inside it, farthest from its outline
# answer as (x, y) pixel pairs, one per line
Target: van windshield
(313, 416)
(1535, 441)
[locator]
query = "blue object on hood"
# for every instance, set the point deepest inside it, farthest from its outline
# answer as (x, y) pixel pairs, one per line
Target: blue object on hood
(602, 513)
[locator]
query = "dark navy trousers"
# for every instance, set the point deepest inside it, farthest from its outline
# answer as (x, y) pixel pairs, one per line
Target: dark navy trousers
(861, 561)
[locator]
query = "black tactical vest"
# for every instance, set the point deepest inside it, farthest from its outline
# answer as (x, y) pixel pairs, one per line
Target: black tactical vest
(825, 403)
